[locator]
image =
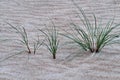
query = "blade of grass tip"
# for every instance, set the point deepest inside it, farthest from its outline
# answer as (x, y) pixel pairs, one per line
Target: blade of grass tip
(109, 38)
(25, 37)
(12, 56)
(81, 32)
(108, 31)
(106, 42)
(3, 40)
(43, 32)
(15, 28)
(48, 48)
(117, 25)
(83, 22)
(108, 25)
(66, 32)
(95, 22)
(79, 42)
(12, 26)
(72, 38)
(86, 21)
(53, 27)
(25, 34)
(48, 31)
(75, 31)
(73, 34)
(84, 36)
(48, 38)
(18, 29)
(105, 37)
(58, 43)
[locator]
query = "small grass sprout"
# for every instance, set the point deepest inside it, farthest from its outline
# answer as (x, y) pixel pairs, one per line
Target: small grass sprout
(37, 45)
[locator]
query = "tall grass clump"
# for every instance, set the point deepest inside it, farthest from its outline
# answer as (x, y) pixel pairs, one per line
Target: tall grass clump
(52, 40)
(21, 31)
(93, 36)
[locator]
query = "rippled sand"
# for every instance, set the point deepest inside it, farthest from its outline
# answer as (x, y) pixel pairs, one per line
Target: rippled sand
(71, 63)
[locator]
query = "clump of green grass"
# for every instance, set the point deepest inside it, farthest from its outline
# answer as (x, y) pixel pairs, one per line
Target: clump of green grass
(23, 35)
(93, 37)
(52, 40)
(21, 31)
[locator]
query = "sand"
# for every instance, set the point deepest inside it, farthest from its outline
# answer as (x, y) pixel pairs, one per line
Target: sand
(71, 62)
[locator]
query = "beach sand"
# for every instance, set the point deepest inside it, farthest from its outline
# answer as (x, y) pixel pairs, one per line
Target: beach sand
(71, 63)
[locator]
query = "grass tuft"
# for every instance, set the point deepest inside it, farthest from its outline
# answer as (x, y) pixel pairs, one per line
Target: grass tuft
(93, 37)
(52, 40)
(24, 36)
(37, 45)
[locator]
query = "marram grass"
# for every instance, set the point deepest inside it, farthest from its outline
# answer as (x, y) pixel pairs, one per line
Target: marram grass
(93, 37)
(52, 40)
(21, 31)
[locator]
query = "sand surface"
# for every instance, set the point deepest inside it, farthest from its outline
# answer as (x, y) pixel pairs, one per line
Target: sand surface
(71, 62)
